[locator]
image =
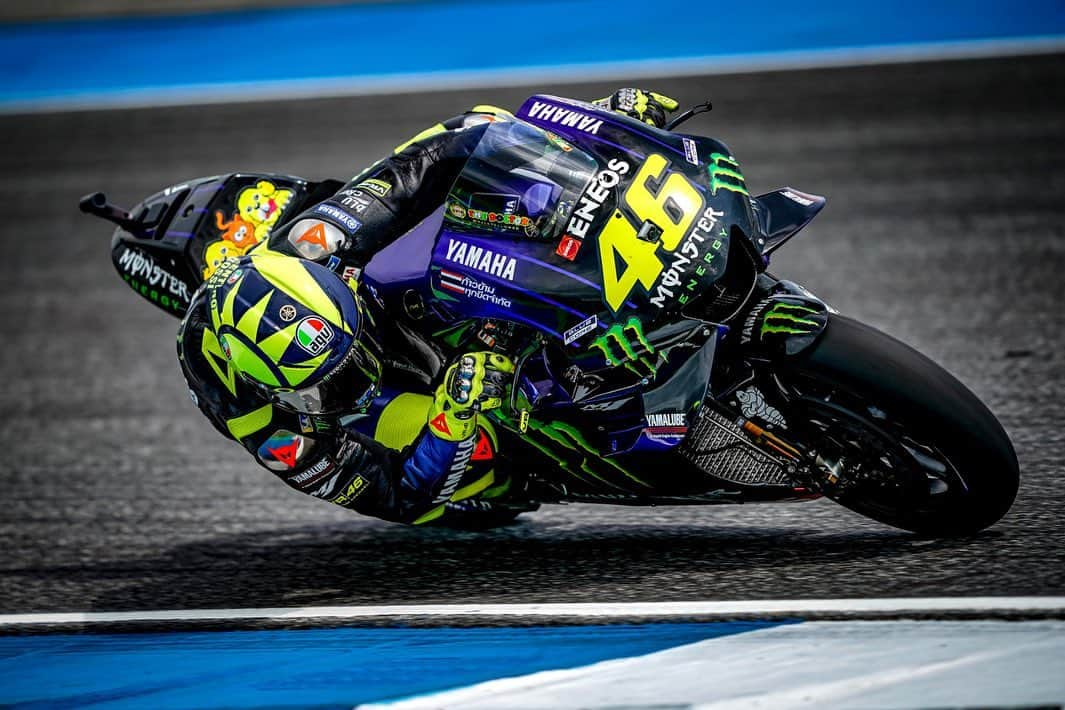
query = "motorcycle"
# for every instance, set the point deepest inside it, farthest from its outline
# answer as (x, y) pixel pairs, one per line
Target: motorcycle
(624, 269)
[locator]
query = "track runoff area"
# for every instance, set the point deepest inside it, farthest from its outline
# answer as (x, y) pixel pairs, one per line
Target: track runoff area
(876, 653)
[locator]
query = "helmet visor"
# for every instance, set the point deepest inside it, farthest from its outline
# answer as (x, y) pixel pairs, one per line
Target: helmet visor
(348, 388)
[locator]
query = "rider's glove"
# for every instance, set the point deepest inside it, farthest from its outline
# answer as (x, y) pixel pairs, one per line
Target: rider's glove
(477, 382)
(646, 106)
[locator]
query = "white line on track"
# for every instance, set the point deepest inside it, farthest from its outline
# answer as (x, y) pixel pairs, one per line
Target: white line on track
(227, 93)
(597, 612)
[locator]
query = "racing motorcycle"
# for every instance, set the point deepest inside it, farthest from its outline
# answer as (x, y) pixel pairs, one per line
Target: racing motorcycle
(624, 269)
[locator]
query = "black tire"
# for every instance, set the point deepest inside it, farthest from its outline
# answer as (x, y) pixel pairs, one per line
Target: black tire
(931, 406)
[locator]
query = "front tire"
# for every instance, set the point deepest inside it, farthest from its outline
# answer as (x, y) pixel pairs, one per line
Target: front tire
(861, 393)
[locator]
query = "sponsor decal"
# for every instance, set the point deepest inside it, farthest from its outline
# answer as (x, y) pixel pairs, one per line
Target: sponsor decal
(594, 197)
(523, 421)
(306, 425)
(287, 312)
(350, 272)
(135, 264)
(789, 319)
(781, 318)
(315, 239)
(224, 342)
(625, 344)
(315, 235)
(471, 288)
(725, 174)
(747, 333)
(753, 405)
(568, 247)
(457, 211)
(796, 197)
(315, 473)
(356, 200)
(666, 428)
(483, 451)
(481, 259)
(355, 489)
(499, 218)
(667, 420)
(553, 113)
(691, 152)
(313, 334)
(345, 219)
(583, 328)
(458, 468)
(234, 277)
(687, 256)
(439, 423)
(377, 187)
(282, 450)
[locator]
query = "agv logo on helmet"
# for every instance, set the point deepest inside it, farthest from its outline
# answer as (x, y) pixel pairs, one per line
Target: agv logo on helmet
(313, 334)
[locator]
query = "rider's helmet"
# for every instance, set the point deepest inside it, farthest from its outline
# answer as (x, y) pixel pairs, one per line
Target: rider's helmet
(293, 330)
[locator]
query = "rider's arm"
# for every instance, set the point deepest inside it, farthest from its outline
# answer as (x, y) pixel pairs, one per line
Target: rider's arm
(393, 195)
(386, 200)
(314, 454)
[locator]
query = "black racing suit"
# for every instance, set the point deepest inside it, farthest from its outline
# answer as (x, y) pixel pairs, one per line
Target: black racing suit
(385, 463)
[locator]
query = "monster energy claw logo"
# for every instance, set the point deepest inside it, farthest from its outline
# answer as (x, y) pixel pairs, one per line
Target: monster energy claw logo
(725, 173)
(628, 338)
(789, 319)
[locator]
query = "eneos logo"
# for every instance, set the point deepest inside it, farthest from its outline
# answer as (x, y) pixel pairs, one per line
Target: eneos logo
(313, 334)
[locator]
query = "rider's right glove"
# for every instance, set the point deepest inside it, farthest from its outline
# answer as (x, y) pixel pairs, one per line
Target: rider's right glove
(643, 105)
(477, 382)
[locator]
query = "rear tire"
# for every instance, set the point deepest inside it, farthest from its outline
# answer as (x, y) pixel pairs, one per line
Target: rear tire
(909, 398)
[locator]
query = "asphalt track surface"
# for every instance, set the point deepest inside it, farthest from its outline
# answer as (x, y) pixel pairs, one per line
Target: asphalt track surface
(945, 227)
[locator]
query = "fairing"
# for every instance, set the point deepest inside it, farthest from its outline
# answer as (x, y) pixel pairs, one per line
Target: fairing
(782, 213)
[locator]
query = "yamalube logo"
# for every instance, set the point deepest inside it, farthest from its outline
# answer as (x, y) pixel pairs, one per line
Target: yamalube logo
(313, 334)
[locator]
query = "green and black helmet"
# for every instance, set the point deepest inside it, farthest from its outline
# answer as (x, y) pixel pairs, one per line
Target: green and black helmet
(296, 332)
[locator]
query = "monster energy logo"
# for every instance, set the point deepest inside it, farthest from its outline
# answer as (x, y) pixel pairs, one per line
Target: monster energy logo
(725, 173)
(633, 348)
(586, 463)
(789, 320)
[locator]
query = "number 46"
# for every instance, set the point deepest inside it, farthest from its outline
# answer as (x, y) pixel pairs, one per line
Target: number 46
(671, 205)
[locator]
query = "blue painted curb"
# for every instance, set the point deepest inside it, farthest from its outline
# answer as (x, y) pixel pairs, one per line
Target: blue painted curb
(308, 668)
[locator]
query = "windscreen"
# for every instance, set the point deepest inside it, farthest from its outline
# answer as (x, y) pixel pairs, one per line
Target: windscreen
(520, 180)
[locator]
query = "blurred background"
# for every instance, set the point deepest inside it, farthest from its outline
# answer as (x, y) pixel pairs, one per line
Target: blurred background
(936, 130)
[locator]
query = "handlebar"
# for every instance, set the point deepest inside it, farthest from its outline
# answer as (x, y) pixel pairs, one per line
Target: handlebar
(693, 111)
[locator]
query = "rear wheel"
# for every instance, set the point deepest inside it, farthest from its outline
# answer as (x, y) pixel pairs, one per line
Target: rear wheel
(895, 437)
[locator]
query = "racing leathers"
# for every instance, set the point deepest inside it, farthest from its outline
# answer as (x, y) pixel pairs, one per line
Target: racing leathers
(404, 454)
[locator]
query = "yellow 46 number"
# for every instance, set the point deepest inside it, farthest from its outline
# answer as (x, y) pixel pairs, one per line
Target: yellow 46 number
(671, 204)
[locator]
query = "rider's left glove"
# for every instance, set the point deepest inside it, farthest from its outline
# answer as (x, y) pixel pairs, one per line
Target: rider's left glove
(643, 105)
(476, 383)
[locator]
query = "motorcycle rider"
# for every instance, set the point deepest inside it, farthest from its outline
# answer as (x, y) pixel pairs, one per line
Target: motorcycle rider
(284, 356)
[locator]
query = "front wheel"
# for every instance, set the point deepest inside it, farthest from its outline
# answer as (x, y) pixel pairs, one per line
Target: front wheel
(894, 436)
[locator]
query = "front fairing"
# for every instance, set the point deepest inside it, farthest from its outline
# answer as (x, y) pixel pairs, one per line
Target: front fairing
(582, 244)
